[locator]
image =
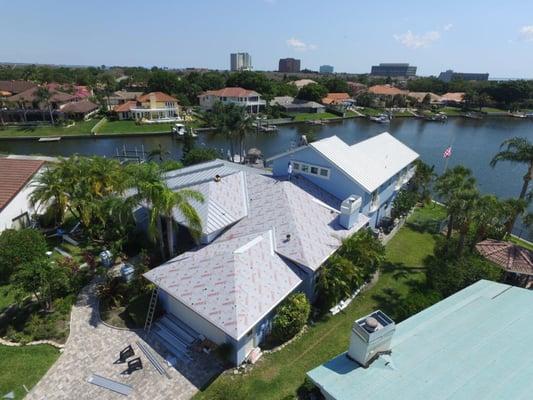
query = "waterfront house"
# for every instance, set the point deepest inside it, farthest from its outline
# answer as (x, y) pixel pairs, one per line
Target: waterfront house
(453, 98)
(249, 99)
(10, 88)
(420, 96)
(386, 90)
(291, 105)
(15, 190)
(266, 235)
(336, 99)
(474, 344)
(83, 109)
(374, 170)
(154, 106)
(121, 97)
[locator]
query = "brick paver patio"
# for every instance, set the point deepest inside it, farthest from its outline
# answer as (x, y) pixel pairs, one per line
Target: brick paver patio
(93, 347)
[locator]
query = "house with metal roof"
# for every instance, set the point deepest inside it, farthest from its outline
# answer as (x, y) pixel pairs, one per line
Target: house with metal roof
(474, 344)
(262, 238)
(373, 170)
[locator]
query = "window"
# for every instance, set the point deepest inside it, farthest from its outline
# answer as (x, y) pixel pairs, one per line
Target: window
(310, 169)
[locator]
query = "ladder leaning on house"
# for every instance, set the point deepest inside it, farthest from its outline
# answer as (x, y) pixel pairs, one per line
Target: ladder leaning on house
(151, 309)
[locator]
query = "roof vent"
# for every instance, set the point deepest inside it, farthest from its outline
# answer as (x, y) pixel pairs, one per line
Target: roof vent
(287, 237)
(371, 336)
(218, 178)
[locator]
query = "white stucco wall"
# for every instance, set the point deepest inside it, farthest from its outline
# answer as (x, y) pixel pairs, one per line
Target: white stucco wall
(192, 319)
(17, 206)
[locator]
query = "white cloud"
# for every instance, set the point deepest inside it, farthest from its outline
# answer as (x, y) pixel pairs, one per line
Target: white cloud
(447, 27)
(298, 45)
(526, 33)
(414, 41)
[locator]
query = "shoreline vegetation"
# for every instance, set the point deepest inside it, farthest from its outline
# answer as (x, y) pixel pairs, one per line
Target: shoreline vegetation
(95, 128)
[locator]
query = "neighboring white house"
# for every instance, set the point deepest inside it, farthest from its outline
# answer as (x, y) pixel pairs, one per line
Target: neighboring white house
(15, 189)
(243, 97)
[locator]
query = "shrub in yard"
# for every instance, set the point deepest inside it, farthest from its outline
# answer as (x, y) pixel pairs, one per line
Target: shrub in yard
(364, 251)
(17, 247)
(338, 279)
(449, 274)
(403, 203)
(291, 317)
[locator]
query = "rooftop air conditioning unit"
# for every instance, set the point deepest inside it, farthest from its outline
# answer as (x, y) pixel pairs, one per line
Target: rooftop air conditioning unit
(371, 336)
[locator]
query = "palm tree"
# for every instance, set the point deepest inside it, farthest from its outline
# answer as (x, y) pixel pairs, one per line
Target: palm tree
(338, 279)
(159, 153)
(513, 208)
(43, 96)
(457, 188)
(161, 201)
(488, 218)
(363, 250)
(517, 150)
(422, 180)
(49, 190)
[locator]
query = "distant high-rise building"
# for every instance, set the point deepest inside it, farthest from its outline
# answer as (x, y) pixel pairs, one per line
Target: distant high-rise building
(289, 65)
(393, 70)
(240, 62)
(326, 69)
(450, 75)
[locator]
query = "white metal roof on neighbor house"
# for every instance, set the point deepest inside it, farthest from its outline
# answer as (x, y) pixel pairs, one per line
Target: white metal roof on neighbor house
(225, 202)
(233, 284)
(371, 162)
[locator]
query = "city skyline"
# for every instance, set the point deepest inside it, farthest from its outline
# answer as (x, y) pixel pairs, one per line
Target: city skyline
(434, 37)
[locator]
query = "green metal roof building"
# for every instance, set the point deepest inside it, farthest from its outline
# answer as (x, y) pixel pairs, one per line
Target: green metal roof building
(476, 344)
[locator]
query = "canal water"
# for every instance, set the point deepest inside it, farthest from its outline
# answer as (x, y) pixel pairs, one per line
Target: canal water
(474, 142)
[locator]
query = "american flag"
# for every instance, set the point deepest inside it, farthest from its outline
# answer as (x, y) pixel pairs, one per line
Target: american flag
(448, 152)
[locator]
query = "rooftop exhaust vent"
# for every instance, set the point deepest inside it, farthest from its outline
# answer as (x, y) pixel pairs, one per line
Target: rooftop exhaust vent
(371, 336)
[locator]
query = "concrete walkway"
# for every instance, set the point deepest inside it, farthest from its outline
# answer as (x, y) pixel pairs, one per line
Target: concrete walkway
(93, 347)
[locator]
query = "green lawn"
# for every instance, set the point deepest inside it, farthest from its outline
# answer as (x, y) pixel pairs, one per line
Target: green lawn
(520, 242)
(280, 374)
(313, 116)
(24, 366)
(493, 110)
(80, 128)
(371, 112)
(452, 111)
(7, 296)
(117, 127)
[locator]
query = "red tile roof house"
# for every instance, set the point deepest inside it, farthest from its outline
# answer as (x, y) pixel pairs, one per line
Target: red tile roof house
(336, 98)
(243, 97)
(15, 189)
(154, 106)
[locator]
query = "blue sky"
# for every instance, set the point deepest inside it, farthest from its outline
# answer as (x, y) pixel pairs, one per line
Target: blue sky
(471, 36)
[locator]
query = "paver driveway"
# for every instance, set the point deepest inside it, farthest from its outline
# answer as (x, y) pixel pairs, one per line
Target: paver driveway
(93, 347)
